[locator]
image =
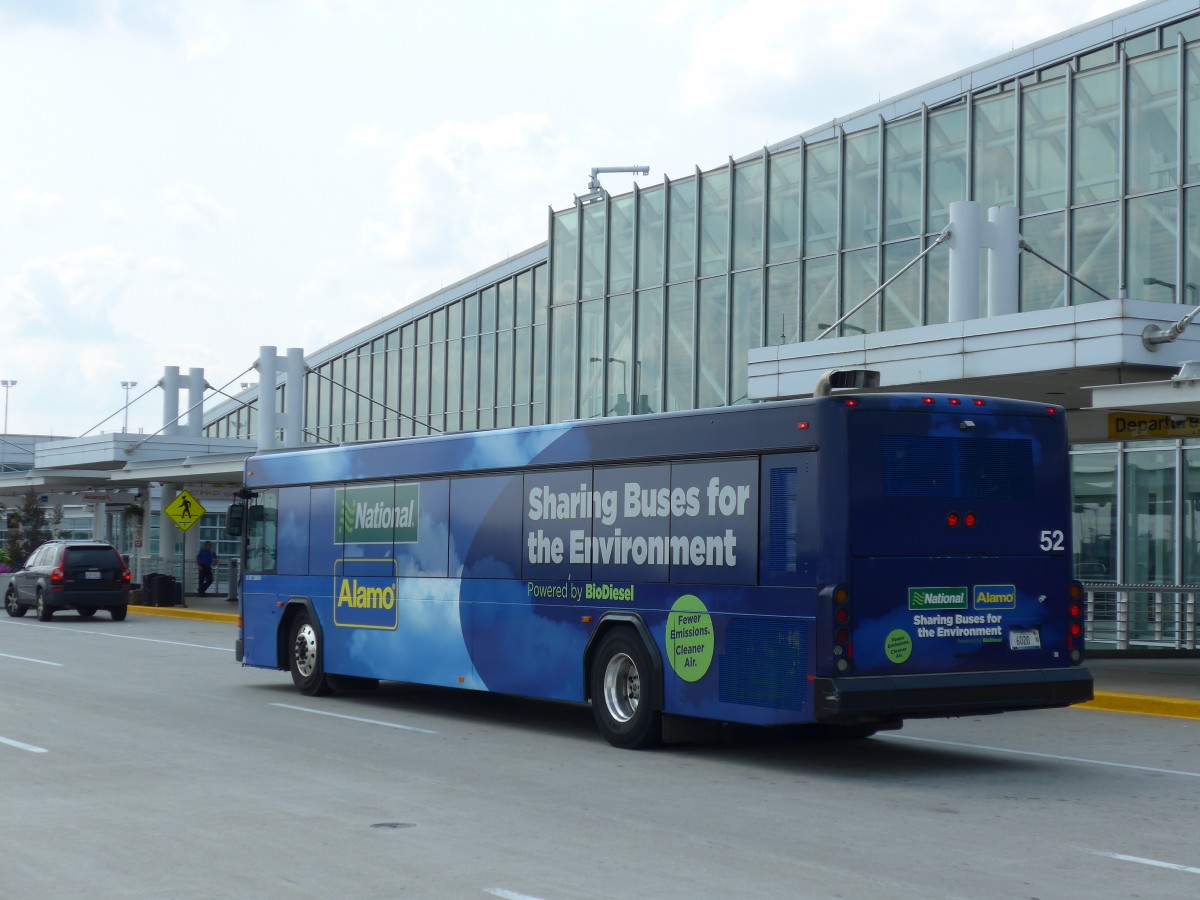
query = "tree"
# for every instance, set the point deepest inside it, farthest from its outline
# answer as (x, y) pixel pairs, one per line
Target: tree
(30, 531)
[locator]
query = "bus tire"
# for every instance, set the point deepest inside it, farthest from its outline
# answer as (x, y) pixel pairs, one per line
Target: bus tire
(626, 697)
(306, 657)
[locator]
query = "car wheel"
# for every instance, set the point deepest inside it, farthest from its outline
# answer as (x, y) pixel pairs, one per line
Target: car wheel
(625, 693)
(44, 613)
(86, 613)
(306, 657)
(118, 613)
(11, 605)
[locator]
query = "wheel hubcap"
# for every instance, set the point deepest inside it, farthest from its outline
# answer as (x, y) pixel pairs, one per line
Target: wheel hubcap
(305, 651)
(622, 687)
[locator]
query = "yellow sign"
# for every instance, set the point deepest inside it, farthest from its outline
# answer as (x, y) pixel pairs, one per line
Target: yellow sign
(185, 510)
(1125, 426)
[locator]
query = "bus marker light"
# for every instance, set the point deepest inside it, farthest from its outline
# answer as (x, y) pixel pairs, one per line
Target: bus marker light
(279, 603)
(802, 426)
(954, 401)
(850, 401)
(928, 401)
(978, 402)
(1052, 410)
(586, 620)
(461, 680)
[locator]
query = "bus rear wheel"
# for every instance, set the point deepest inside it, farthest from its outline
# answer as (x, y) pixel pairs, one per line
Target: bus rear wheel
(626, 696)
(306, 657)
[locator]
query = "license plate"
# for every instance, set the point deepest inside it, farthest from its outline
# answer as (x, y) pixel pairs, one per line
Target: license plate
(93, 576)
(1024, 640)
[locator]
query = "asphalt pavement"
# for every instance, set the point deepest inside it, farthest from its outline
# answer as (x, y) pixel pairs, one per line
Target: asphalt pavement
(1148, 684)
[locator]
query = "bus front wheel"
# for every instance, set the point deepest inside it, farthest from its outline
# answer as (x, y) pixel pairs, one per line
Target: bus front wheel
(625, 692)
(305, 657)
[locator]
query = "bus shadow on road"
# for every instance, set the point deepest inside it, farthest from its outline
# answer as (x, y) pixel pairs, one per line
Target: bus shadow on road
(794, 749)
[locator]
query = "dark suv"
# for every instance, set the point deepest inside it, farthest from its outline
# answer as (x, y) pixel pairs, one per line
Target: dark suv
(80, 575)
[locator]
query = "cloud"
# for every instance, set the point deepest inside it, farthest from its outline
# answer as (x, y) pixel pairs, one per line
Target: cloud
(189, 26)
(461, 194)
(192, 210)
(807, 63)
(37, 209)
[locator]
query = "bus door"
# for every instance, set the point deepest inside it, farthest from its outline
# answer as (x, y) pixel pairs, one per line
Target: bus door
(958, 539)
(259, 548)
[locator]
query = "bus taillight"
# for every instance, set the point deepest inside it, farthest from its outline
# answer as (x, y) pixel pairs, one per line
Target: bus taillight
(842, 648)
(952, 519)
(1076, 610)
(969, 520)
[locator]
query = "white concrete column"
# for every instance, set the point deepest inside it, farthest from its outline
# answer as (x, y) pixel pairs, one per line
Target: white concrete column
(195, 403)
(295, 392)
(268, 365)
(964, 260)
(170, 386)
(168, 531)
(1002, 237)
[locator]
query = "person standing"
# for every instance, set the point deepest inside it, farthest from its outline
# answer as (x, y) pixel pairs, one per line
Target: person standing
(205, 560)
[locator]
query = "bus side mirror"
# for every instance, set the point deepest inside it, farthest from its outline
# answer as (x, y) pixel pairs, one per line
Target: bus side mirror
(235, 519)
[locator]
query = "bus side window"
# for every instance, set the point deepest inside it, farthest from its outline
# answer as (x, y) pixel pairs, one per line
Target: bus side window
(261, 532)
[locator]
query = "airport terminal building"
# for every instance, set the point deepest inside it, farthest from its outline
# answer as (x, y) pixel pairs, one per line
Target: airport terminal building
(744, 281)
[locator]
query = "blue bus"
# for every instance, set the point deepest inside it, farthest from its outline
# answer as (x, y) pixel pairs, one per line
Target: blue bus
(845, 561)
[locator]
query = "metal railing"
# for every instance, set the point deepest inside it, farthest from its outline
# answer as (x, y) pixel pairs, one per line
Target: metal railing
(1133, 616)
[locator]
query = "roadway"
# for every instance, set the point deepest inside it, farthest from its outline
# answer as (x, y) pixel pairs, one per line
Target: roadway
(140, 760)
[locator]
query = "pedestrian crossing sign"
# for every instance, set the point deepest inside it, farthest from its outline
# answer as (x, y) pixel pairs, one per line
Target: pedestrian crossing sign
(185, 510)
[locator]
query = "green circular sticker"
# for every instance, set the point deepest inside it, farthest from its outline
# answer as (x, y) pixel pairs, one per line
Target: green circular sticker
(690, 638)
(898, 646)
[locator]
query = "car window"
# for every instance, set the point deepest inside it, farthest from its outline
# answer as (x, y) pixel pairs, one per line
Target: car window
(38, 556)
(91, 557)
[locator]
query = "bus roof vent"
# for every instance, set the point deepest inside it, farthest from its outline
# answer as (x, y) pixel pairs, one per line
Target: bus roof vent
(846, 379)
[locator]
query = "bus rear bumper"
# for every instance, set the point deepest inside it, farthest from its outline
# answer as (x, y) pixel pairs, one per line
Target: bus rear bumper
(884, 697)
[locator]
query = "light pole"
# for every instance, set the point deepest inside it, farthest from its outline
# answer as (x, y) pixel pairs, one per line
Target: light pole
(6, 384)
(129, 387)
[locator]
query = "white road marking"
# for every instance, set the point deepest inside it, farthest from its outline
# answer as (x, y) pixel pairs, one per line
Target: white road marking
(508, 895)
(321, 712)
(21, 746)
(1191, 870)
(1075, 759)
(30, 659)
(128, 637)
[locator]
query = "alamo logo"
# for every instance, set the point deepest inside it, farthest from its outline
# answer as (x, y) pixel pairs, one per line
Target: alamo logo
(366, 594)
(995, 596)
(377, 514)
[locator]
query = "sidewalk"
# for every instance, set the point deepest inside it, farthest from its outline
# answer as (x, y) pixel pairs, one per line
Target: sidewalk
(207, 608)
(1155, 686)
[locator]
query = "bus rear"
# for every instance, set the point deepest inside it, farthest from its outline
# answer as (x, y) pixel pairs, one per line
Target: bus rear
(953, 591)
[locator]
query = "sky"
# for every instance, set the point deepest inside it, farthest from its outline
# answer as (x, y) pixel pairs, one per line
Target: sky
(184, 181)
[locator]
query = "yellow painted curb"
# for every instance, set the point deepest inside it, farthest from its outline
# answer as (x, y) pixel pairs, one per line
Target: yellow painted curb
(182, 612)
(1145, 705)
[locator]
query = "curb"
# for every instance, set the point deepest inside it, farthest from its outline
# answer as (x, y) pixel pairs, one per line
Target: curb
(180, 612)
(1144, 705)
